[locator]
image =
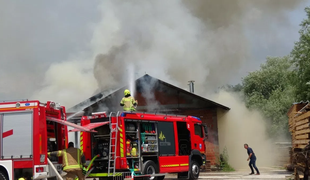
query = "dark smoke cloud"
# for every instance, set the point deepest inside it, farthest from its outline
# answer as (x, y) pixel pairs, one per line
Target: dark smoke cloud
(203, 40)
(109, 69)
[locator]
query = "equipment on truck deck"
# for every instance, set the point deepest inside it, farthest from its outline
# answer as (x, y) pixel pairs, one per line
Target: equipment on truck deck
(128, 147)
(134, 149)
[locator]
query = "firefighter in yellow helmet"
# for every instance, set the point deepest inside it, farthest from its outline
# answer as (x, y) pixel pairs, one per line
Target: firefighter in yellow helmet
(128, 102)
(72, 161)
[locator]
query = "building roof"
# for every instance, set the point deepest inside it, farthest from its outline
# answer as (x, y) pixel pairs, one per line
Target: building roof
(147, 85)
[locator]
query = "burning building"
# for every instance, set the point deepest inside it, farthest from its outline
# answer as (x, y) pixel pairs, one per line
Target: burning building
(156, 96)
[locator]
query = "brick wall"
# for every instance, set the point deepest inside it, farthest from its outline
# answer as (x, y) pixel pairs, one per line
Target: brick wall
(209, 118)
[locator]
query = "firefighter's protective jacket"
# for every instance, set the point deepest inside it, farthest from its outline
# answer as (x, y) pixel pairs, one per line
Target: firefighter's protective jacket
(128, 103)
(72, 158)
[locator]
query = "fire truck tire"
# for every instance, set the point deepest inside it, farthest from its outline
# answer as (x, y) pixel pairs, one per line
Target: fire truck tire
(149, 167)
(3, 176)
(194, 170)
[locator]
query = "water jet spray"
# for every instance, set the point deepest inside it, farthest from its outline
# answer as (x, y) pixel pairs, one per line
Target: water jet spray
(131, 80)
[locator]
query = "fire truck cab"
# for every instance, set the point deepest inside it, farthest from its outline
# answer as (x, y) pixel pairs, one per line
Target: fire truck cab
(28, 130)
(144, 144)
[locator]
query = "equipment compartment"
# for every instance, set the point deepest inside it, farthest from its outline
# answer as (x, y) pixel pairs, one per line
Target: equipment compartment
(133, 152)
(149, 142)
(100, 145)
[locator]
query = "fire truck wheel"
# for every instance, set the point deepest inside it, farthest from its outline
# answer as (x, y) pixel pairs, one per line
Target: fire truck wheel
(149, 167)
(194, 170)
(3, 176)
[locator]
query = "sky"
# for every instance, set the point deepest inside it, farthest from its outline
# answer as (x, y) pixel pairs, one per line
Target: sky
(66, 50)
(287, 34)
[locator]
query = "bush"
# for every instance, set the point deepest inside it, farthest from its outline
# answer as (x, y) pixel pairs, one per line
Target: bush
(224, 161)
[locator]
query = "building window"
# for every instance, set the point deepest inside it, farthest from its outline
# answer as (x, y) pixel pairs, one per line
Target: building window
(198, 130)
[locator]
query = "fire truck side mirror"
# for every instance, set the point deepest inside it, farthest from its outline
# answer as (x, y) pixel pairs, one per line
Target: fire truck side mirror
(206, 131)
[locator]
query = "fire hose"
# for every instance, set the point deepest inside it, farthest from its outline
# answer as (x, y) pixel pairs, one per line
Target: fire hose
(53, 167)
(86, 171)
(89, 166)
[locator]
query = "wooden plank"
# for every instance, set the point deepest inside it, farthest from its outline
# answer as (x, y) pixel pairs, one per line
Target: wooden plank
(304, 131)
(303, 116)
(304, 136)
(301, 141)
(299, 145)
(302, 122)
(295, 108)
(304, 126)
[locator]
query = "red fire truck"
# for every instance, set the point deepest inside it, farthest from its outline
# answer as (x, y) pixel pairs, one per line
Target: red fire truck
(28, 130)
(147, 145)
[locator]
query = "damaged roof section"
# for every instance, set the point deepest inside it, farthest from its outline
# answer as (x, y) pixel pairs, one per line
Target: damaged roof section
(153, 95)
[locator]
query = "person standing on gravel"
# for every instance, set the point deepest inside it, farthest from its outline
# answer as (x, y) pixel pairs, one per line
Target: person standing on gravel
(252, 159)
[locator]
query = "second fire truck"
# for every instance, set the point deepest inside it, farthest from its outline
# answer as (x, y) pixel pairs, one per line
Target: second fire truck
(28, 130)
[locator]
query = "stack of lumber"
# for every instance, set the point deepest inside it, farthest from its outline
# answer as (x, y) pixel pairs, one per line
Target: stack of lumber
(301, 162)
(299, 118)
(299, 126)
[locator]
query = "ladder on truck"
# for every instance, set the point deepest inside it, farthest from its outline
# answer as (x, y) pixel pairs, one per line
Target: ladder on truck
(113, 143)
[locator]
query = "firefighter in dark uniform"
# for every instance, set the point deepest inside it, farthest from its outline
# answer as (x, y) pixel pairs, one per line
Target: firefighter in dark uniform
(72, 161)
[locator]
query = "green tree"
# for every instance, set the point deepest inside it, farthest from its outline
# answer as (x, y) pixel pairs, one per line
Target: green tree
(270, 90)
(301, 60)
(232, 88)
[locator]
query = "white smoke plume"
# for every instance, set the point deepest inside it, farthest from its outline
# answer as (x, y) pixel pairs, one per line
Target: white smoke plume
(239, 126)
(68, 83)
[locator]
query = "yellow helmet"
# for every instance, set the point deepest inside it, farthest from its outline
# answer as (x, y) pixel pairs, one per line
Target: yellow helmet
(126, 92)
